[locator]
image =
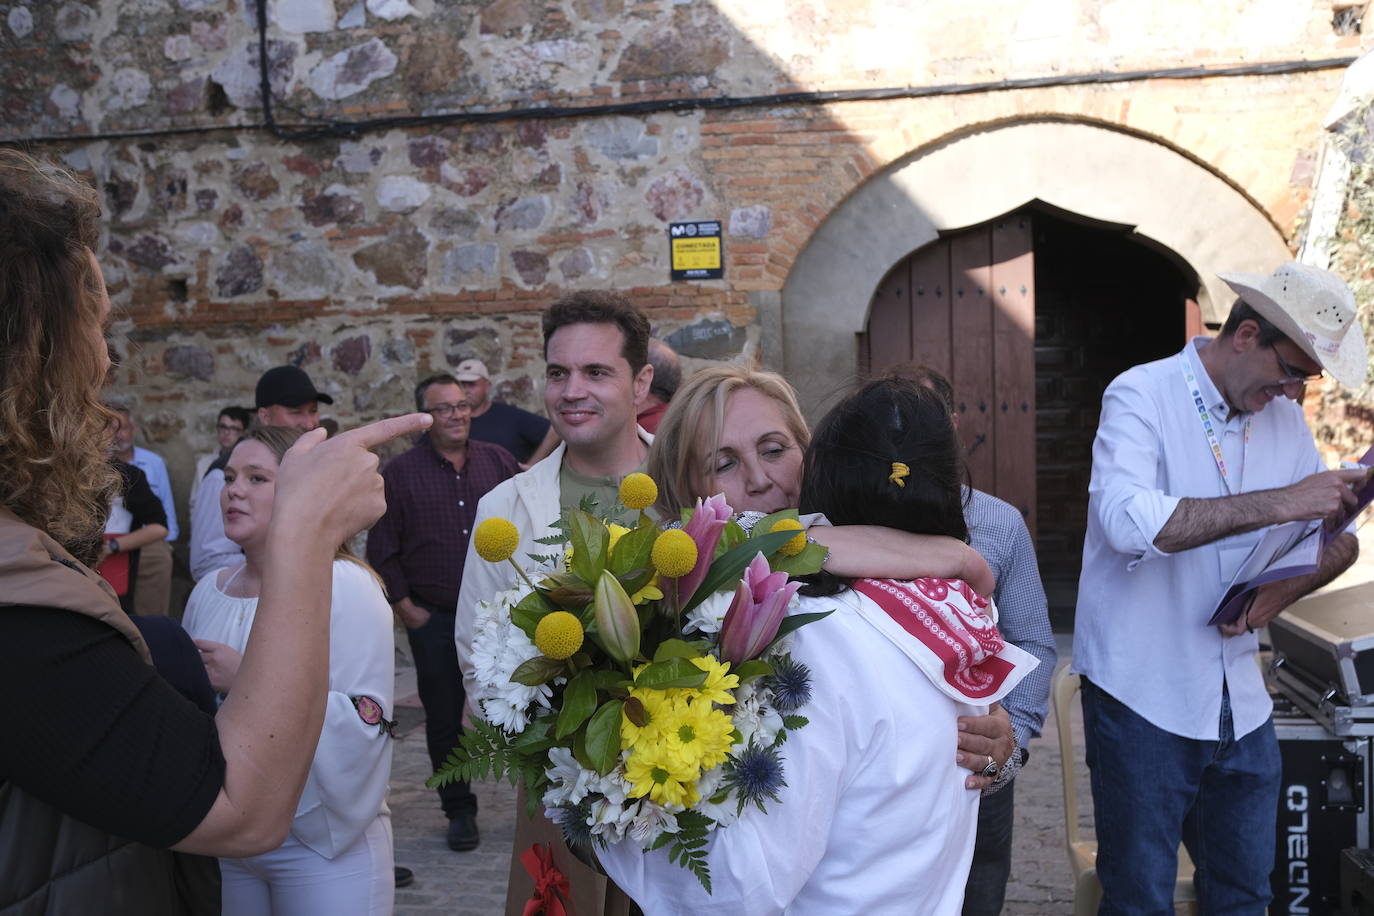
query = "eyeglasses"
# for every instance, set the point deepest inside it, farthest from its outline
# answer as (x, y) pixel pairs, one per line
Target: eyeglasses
(447, 410)
(1291, 374)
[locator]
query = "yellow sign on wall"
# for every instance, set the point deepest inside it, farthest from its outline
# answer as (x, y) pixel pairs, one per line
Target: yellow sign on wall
(696, 250)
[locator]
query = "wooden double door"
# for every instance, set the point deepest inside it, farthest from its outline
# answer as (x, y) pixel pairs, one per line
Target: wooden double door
(1030, 317)
(965, 306)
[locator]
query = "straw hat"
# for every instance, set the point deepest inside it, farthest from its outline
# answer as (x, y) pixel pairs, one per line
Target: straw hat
(1314, 309)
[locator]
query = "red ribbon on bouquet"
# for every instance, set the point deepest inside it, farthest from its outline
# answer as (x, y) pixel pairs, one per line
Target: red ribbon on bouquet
(550, 884)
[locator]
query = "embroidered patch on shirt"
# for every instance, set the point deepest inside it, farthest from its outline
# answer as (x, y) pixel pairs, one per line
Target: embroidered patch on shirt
(370, 711)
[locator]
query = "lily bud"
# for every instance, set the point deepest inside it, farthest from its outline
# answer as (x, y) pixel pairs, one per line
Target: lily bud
(617, 623)
(705, 528)
(756, 612)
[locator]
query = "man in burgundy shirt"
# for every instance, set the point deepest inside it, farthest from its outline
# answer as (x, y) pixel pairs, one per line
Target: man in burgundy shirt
(418, 548)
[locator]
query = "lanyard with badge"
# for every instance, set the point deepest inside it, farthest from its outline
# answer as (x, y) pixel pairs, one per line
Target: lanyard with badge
(1205, 417)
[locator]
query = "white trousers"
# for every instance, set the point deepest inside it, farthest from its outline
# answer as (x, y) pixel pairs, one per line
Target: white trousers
(294, 880)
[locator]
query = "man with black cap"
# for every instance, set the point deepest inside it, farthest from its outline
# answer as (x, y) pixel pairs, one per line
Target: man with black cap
(1196, 456)
(285, 397)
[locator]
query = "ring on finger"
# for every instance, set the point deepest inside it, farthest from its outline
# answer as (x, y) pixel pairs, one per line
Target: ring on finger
(989, 771)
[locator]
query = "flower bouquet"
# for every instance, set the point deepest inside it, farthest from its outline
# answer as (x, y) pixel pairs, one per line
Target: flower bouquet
(636, 680)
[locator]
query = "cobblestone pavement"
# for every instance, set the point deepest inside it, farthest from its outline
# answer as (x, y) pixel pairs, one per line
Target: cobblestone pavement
(474, 883)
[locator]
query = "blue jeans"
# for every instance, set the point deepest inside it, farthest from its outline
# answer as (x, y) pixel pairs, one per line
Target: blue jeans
(1153, 789)
(439, 682)
(986, 888)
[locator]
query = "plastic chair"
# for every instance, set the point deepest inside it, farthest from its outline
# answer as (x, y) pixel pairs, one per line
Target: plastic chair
(1087, 892)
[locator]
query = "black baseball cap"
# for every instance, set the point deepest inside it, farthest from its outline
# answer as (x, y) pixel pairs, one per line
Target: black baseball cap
(288, 386)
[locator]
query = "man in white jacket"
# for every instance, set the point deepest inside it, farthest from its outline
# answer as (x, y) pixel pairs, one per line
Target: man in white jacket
(597, 376)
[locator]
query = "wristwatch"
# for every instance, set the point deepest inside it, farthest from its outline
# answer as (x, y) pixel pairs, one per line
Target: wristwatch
(114, 545)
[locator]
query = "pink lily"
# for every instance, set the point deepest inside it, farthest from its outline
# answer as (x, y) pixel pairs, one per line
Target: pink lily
(707, 522)
(759, 605)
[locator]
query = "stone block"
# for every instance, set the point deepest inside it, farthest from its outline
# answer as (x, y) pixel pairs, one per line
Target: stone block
(398, 260)
(473, 343)
(576, 264)
(532, 266)
(255, 181)
(188, 361)
(455, 223)
(304, 15)
(468, 265)
(240, 274)
(20, 21)
(521, 214)
(351, 71)
(426, 151)
(238, 74)
(335, 204)
(751, 222)
(466, 182)
(708, 339)
(351, 354)
(620, 138)
(401, 192)
(152, 252)
(675, 196)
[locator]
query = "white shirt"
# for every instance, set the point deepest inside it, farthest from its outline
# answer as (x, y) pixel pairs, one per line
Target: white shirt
(155, 469)
(211, 548)
(202, 466)
(1141, 630)
(346, 788)
(874, 819)
(531, 500)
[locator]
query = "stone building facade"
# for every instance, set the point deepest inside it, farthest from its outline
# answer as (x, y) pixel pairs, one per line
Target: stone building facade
(430, 174)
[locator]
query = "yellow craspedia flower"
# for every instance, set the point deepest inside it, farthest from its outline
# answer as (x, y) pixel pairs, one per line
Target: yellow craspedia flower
(638, 491)
(798, 543)
(674, 553)
(663, 776)
(558, 635)
(496, 539)
(719, 681)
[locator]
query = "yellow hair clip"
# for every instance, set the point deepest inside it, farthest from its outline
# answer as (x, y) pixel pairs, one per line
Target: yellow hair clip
(899, 473)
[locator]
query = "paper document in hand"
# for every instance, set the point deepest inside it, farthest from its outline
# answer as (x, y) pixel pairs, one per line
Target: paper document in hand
(1285, 551)
(1364, 495)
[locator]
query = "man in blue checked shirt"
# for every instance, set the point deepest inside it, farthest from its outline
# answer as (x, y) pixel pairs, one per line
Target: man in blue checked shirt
(999, 533)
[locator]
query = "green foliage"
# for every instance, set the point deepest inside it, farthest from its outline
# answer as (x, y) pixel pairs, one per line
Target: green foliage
(589, 538)
(671, 672)
(486, 751)
(794, 621)
(729, 568)
(689, 845)
(633, 550)
(603, 737)
(677, 648)
(579, 702)
(538, 670)
(751, 669)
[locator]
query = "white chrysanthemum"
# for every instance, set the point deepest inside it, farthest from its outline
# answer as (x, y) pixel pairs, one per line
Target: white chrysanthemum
(650, 822)
(498, 648)
(711, 782)
(569, 780)
(708, 616)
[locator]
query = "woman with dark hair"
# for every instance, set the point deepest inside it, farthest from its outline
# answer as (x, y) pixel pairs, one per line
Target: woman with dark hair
(114, 768)
(338, 856)
(874, 815)
(739, 431)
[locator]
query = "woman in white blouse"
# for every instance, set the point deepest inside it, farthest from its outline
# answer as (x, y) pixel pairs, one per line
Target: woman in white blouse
(338, 857)
(874, 816)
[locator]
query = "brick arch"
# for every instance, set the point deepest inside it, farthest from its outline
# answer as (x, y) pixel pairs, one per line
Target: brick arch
(1095, 171)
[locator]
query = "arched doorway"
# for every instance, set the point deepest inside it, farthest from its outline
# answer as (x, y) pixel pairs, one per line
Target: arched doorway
(1095, 170)
(1030, 316)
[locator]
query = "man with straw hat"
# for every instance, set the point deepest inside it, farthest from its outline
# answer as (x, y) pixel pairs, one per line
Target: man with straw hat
(1196, 456)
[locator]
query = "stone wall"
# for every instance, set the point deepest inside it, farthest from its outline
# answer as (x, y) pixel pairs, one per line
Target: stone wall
(370, 257)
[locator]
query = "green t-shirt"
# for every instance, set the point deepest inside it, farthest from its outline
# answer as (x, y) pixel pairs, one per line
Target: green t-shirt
(572, 487)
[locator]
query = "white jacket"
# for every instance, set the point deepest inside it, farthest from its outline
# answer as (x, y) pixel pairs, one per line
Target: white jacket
(531, 501)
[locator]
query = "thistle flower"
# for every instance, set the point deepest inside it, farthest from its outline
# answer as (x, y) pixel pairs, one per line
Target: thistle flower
(575, 822)
(790, 683)
(759, 605)
(756, 774)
